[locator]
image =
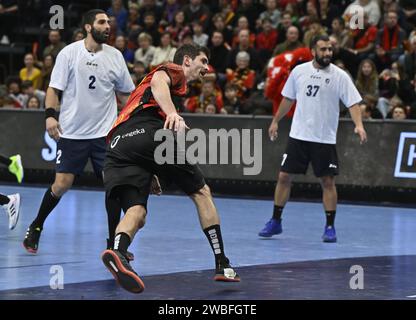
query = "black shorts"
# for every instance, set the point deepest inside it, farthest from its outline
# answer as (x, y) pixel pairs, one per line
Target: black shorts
(299, 153)
(72, 155)
(130, 159)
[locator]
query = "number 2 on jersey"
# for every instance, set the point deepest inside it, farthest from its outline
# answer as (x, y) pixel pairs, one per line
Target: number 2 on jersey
(310, 92)
(92, 79)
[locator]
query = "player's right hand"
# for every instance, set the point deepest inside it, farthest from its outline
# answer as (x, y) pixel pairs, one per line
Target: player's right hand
(54, 128)
(273, 130)
(175, 121)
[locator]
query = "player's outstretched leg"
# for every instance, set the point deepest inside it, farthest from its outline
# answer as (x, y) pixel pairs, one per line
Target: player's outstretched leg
(116, 259)
(210, 224)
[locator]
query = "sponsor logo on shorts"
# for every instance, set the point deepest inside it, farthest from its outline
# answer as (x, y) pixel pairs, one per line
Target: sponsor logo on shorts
(126, 135)
(114, 142)
(331, 165)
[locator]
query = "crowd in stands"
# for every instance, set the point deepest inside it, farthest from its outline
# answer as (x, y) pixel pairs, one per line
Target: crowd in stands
(245, 38)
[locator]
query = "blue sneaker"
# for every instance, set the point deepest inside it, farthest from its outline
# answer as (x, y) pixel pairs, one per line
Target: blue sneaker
(329, 234)
(271, 228)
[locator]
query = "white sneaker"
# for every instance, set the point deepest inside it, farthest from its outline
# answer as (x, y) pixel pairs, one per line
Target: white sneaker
(13, 210)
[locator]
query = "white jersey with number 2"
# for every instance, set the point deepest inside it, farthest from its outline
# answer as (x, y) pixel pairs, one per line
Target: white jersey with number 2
(317, 93)
(89, 81)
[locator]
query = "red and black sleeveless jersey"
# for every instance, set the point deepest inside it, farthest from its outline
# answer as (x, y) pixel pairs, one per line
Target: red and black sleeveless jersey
(142, 96)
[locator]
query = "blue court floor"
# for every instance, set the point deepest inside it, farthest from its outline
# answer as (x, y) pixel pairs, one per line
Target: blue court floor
(175, 261)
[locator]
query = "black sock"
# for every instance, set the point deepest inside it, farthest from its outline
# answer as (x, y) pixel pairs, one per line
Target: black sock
(4, 199)
(49, 202)
(277, 212)
(113, 217)
(330, 218)
(5, 161)
(122, 242)
(213, 234)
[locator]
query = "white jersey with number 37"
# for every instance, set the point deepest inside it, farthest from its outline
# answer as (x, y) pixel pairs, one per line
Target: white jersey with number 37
(317, 93)
(89, 81)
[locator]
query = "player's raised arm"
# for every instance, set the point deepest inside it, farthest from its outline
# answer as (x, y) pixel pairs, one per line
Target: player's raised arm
(160, 89)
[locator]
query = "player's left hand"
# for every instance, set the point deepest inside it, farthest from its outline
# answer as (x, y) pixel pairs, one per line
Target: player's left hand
(361, 132)
(155, 187)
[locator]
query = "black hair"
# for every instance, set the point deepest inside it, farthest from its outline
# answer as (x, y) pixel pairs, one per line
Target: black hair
(89, 18)
(191, 50)
(322, 37)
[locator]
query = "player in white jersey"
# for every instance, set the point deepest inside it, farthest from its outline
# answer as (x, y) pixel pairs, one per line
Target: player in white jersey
(88, 74)
(317, 87)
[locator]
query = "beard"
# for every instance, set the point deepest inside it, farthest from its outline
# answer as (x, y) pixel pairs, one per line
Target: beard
(323, 62)
(99, 37)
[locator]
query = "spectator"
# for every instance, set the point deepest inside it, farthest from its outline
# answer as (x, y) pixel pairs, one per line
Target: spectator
(30, 72)
(46, 71)
(242, 24)
(199, 37)
(315, 29)
(284, 25)
(266, 40)
(327, 13)
(77, 35)
(389, 42)
(121, 45)
(170, 10)
(146, 51)
(371, 102)
(209, 95)
(250, 11)
(272, 13)
(139, 72)
(363, 40)
(133, 20)
(165, 52)
(242, 76)
(118, 10)
(371, 7)
(367, 78)
(150, 27)
(14, 98)
(219, 25)
(365, 111)
(398, 113)
(232, 103)
(244, 45)
(28, 91)
(348, 58)
(409, 59)
(178, 29)
(338, 30)
(219, 52)
(55, 45)
(33, 103)
(114, 31)
(195, 10)
(150, 6)
(291, 43)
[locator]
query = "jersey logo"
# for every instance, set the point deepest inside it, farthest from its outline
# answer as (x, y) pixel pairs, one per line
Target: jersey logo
(327, 81)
